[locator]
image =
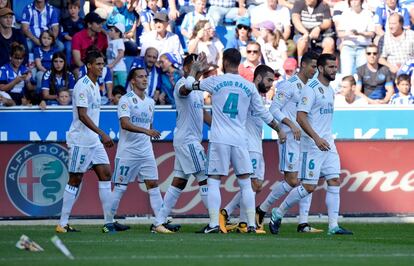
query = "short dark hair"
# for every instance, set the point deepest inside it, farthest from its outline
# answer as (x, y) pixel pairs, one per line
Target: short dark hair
(118, 89)
(232, 56)
(262, 70)
(350, 79)
(323, 58)
(308, 57)
(73, 3)
(92, 55)
(131, 74)
(403, 77)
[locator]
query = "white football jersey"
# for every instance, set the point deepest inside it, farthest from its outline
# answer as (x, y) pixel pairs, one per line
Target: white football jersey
(254, 128)
(285, 102)
(317, 100)
(189, 125)
(85, 94)
(134, 145)
(232, 95)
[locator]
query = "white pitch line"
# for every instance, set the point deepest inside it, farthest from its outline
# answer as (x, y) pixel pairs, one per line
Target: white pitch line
(218, 256)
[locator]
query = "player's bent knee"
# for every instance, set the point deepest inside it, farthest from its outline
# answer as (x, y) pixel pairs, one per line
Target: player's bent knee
(151, 184)
(333, 182)
(257, 185)
(309, 187)
(179, 183)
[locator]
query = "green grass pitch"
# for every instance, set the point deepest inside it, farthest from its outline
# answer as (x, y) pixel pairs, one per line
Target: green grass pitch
(371, 244)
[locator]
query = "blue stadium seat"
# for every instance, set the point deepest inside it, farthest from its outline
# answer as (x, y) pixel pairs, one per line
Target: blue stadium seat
(225, 33)
(18, 6)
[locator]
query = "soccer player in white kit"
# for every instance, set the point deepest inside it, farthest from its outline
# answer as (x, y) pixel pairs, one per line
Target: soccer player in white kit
(189, 153)
(85, 140)
(285, 104)
(263, 79)
(134, 156)
(232, 96)
(319, 157)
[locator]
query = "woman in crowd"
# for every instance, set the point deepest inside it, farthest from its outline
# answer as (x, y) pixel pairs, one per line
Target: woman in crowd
(56, 79)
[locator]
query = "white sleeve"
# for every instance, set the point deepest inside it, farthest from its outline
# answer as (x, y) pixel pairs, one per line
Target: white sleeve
(307, 99)
(123, 108)
(80, 95)
(257, 106)
(280, 99)
(208, 84)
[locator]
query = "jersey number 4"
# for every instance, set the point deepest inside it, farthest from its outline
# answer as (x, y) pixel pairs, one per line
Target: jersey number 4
(230, 107)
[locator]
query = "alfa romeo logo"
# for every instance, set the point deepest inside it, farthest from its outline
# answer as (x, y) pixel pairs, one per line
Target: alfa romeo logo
(36, 177)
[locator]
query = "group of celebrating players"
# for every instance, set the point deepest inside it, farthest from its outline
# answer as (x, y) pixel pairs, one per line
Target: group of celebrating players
(301, 114)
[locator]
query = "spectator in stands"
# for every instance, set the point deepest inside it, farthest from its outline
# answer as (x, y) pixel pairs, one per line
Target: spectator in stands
(253, 59)
(171, 73)
(91, 35)
(220, 9)
(383, 13)
(203, 40)
(163, 40)
(115, 54)
(43, 55)
(408, 68)
(276, 13)
(148, 61)
(56, 79)
(16, 78)
(356, 32)
(398, 44)
(37, 17)
(243, 35)
(104, 81)
(147, 16)
(404, 95)
(347, 95)
(374, 80)
(191, 18)
(70, 26)
(5, 4)
(274, 50)
(117, 92)
(312, 27)
(8, 35)
(64, 97)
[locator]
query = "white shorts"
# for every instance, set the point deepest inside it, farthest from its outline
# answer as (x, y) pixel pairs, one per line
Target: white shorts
(127, 171)
(189, 159)
(258, 165)
(221, 155)
(289, 153)
(316, 164)
(83, 158)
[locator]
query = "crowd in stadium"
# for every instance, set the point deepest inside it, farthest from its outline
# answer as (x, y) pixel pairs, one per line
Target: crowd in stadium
(43, 44)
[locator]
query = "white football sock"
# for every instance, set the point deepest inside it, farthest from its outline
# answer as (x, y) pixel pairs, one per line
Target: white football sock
(332, 201)
(203, 190)
(214, 201)
(155, 199)
(304, 206)
(69, 196)
(105, 194)
(294, 196)
(117, 194)
(243, 214)
(170, 199)
(278, 191)
(248, 199)
(234, 203)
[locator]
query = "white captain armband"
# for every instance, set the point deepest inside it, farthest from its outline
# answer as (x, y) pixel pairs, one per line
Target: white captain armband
(189, 83)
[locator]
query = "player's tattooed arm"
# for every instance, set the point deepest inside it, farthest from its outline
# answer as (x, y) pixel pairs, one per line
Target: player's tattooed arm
(281, 134)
